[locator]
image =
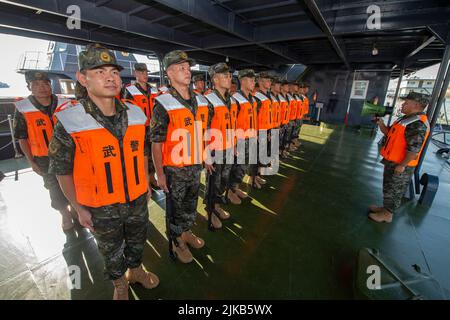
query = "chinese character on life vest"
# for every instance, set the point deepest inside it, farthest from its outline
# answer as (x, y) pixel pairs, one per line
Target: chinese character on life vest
(40, 122)
(187, 122)
(108, 151)
(134, 144)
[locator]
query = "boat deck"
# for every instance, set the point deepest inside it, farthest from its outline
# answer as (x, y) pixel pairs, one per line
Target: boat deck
(298, 238)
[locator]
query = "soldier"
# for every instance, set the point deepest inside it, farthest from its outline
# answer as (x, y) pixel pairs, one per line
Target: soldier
(293, 106)
(224, 123)
(297, 94)
(33, 126)
(99, 153)
(247, 123)
(180, 111)
(264, 112)
(405, 141)
(199, 83)
(275, 93)
(143, 94)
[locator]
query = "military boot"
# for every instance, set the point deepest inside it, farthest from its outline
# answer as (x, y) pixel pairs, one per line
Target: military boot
(120, 289)
(215, 221)
(374, 208)
(241, 194)
(381, 216)
(191, 239)
(234, 199)
(223, 215)
(182, 251)
(147, 279)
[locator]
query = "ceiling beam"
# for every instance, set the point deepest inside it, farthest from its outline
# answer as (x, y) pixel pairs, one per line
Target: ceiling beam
(318, 17)
(225, 20)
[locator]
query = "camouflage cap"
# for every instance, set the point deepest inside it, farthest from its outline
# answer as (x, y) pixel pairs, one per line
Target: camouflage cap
(422, 98)
(140, 67)
(175, 57)
(220, 67)
(95, 56)
(264, 75)
(276, 79)
(250, 73)
(198, 77)
(36, 75)
(303, 84)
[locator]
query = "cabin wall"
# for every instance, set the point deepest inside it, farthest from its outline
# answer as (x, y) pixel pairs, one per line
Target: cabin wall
(327, 79)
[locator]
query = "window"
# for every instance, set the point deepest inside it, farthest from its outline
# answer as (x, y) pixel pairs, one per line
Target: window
(359, 89)
(67, 86)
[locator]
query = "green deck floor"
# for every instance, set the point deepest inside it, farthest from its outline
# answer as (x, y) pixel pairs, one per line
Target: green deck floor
(298, 238)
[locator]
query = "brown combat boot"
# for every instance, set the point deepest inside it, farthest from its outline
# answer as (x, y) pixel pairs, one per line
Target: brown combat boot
(374, 208)
(147, 279)
(120, 289)
(182, 251)
(261, 180)
(215, 221)
(223, 215)
(241, 194)
(254, 183)
(381, 216)
(234, 199)
(191, 239)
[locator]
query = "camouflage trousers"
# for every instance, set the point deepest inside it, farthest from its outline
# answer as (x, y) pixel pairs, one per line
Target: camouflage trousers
(283, 131)
(238, 170)
(121, 233)
(58, 199)
(184, 186)
(394, 186)
(297, 128)
(221, 179)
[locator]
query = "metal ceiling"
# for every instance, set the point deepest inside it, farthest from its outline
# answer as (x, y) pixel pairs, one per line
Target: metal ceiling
(251, 33)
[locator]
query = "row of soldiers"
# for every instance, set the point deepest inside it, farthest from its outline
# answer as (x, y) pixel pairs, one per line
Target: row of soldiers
(98, 153)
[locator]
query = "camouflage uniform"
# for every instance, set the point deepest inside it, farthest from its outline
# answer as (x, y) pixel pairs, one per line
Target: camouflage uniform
(183, 182)
(58, 200)
(221, 174)
(120, 228)
(394, 186)
(238, 171)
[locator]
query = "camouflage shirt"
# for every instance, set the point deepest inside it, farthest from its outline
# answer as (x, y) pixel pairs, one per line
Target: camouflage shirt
(62, 147)
(160, 120)
(20, 125)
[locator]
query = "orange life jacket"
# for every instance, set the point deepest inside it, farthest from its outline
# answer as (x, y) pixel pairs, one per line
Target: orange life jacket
(264, 114)
(39, 125)
(184, 145)
(247, 118)
(300, 108)
(284, 110)
(292, 107)
(224, 120)
(305, 106)
(276, 110)
(146, 103)
(106, 170)
(395, 147)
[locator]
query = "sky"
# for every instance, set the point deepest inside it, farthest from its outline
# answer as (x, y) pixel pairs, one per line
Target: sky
(10, 60)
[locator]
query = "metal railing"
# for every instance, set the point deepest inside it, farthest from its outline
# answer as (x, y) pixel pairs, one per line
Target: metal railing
(17, 154)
